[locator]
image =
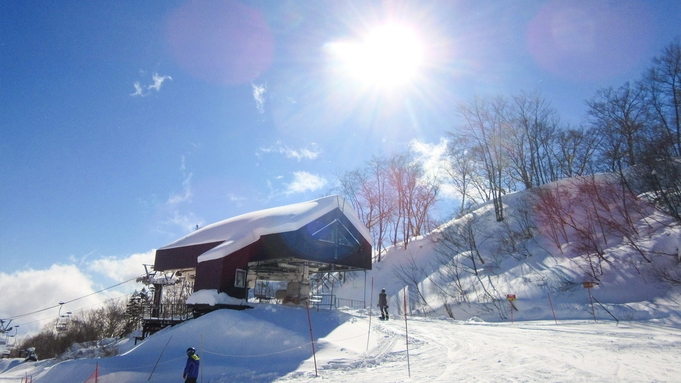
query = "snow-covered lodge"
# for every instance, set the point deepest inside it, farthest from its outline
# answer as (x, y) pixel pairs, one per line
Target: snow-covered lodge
(287, 243)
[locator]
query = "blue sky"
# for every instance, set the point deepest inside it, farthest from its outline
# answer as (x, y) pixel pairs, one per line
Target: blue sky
(125, 124)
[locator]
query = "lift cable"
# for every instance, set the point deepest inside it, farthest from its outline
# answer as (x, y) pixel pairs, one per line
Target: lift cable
(72, 300)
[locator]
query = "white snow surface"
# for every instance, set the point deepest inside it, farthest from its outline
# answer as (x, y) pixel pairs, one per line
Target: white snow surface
(271, 343)
(632, 333)
(242, 230)
(212, 298)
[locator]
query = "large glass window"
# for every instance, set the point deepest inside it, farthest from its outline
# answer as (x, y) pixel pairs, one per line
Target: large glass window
(337, 233)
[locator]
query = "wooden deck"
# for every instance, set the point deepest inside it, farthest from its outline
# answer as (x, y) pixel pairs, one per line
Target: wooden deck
(156, 318)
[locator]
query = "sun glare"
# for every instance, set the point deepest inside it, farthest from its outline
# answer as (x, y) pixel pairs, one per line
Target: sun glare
(388, 56)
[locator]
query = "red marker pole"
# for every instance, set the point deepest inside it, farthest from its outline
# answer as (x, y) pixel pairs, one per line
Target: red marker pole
(588, 286)
(511, 298)
(591, 299)
(511, 302)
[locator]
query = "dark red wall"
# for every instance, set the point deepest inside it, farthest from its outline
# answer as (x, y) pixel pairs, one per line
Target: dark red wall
(220, 274)
(181, 257)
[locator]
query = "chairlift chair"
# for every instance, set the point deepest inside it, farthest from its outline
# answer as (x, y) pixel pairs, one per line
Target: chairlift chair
(63, 322)
(4, 331)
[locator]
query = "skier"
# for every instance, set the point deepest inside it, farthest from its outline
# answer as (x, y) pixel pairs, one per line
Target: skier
(383, 304)
(191, 369)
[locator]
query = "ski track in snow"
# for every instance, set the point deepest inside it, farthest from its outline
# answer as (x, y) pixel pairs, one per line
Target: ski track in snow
(440, 350)
(443, 350)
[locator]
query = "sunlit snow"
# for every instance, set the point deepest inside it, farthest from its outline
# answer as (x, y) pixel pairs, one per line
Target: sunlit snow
(632, 334)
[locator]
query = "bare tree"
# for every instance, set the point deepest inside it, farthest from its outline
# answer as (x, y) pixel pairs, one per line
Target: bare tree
(513, 240)
(416, 196)
(383, 200)
(549, 205)
(621, 117)
(660, 181)
(464, 172)
(485, 124)
(574, 151)
(458, 263)
(351, 188)
(105, 322)
(402, 181)
(412, 274)
(530, 139)
(84, 326)
(425, 197)
(663, 83)
(369, 192)
(458, 257)
(586, 212)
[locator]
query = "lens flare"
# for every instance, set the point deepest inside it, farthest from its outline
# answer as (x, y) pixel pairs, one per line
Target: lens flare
(388, 56)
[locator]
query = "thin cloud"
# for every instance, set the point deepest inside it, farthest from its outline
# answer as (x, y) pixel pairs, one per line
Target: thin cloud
(82, 259)
(304, 181)
(138, 90)
(298, 154)
(158, 82)
(238, 200)
(186, 193)
(259, 96)
(174, 212)
(187, 222)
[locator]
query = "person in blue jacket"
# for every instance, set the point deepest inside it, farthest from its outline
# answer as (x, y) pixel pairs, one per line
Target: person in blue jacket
(191, 369)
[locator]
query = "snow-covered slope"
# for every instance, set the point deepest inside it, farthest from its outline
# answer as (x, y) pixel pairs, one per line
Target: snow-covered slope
(544, 278)
(272, 344)
(636, 335)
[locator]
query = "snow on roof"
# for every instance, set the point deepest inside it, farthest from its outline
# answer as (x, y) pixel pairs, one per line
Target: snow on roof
(213, 297)
(242, 230)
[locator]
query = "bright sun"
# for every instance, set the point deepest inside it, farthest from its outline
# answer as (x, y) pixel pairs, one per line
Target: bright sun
(388, 56)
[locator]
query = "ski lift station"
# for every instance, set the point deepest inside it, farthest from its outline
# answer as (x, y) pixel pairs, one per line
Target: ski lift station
(287, 244)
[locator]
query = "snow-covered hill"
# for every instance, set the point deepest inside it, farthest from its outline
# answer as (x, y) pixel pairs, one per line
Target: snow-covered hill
(521, 259)
(636, 334)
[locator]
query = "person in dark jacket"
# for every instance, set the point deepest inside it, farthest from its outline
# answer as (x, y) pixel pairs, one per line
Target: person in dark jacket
(383, 304)
(191, 369)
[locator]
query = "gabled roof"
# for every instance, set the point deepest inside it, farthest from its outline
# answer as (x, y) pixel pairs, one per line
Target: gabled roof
(240, 231)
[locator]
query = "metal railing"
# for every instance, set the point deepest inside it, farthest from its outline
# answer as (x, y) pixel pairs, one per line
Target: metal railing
(351, 303)
(330, 301)
(327, 301)
(173, 311)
